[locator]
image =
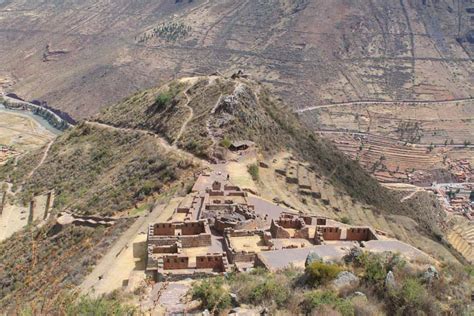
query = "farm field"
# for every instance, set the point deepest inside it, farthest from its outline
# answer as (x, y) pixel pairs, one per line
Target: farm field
(20, 133)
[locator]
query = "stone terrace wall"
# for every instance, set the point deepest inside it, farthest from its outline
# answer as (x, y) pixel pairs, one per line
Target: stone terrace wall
(216, 262)
(361, 234)
(330, 233)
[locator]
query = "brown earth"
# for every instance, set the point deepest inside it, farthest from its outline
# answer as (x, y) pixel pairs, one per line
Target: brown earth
(80, 56)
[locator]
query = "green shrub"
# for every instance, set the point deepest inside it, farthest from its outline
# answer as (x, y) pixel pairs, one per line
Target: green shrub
(212, 294)
(320, 273)
(374, 268)
(254, 171)
(163, 99)
(412, 293)
(99, 307)
(345, 220)
(272, 289)
(318, 300)
(225, 142)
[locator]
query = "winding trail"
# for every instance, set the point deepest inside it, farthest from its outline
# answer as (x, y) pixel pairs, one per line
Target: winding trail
(367, 103)
(43, 159)
(168, 147)
(185, 123)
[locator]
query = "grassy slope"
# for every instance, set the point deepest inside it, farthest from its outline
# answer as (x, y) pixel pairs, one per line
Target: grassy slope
(93, 170)
(99, 171)
(37, 264)
(253, 114)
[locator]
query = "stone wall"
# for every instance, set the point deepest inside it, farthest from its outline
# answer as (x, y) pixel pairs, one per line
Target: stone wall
(201, 240)
(193, 228)
(360, 234)
(163, 229)
(180, 228)
(237, 193)
(162, 241)
(175, 262)
(330, 233)
(2, 201)
(278, 232)
(231, 188)
(216, 262)
(321, 221)
(166, 248)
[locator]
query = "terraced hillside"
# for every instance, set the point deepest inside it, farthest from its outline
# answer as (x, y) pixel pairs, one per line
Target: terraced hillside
(461, 237)
(415, 142)
(80, 56)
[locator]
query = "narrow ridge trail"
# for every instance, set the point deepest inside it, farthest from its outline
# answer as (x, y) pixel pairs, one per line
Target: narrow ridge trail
(161, 140)
(185, 123)
(43, 159)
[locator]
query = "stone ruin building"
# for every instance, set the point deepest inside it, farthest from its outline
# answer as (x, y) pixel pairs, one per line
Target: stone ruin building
(218, 229)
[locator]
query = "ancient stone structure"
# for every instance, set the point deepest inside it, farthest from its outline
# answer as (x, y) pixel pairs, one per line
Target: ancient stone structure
(219, 229)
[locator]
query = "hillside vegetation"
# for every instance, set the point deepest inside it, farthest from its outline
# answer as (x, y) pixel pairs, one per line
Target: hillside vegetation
(95, 170)
(38, 265)
(226, 110)
(146, 146)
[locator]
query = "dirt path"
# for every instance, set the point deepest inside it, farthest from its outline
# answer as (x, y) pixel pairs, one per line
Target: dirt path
(160, 140)
(45, 155)
(185, 124)
(409, 196)
(367, 103)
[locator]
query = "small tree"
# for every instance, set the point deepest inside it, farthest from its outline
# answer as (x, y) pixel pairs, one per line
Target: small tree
(162, 100)
(320, 273)
(254, 172)
(212, 294)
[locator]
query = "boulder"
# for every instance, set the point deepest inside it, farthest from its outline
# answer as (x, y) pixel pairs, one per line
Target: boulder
(353, 254)
(345, 279)
(359, 294)
(430, 274)
(312, 257)
(390, 280)
(234, 299)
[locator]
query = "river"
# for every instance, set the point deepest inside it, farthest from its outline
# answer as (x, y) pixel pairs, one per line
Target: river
(29, 114)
